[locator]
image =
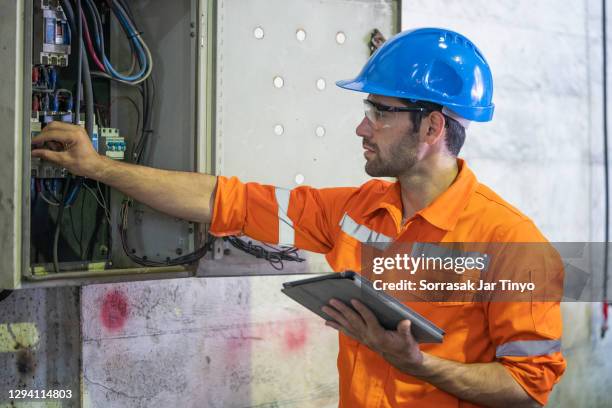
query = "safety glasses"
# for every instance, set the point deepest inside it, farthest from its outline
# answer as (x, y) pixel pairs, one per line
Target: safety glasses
(381, 115)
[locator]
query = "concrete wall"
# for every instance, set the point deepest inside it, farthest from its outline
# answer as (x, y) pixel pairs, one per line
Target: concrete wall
(211, 342)
(40, 345)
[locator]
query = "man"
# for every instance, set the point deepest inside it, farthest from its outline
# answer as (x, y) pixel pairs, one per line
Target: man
(424, 87)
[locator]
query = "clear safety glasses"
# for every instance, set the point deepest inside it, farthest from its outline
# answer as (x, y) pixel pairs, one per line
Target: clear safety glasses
(383, 116)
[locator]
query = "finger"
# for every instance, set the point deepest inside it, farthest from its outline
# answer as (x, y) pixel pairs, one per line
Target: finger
(49, 155)
(333, 325)
(353, 317)
(52, 135)
(366, 314)
(56, 124)
(404, 328)
(338, 317)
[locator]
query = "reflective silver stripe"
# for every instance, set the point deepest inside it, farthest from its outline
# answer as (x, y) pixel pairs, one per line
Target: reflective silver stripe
(362, 233)
(524, 348)
(286, 233)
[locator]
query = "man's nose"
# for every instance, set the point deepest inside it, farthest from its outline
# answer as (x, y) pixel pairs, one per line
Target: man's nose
(364, 129)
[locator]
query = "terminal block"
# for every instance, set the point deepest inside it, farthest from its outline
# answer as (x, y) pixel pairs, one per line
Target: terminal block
(111, 144)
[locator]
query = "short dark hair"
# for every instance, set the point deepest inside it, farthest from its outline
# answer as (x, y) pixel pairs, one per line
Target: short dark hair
(455, 133)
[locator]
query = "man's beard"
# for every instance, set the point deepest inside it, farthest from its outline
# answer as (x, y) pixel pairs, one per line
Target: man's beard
(403, 156)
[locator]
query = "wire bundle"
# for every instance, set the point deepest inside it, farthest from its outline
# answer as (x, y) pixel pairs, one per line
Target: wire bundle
(275, 256)
(141, 55)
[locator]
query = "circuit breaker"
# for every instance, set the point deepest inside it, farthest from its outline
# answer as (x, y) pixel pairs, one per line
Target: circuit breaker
(163, 84)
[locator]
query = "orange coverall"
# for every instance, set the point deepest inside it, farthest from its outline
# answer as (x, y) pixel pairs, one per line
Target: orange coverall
(523, 336)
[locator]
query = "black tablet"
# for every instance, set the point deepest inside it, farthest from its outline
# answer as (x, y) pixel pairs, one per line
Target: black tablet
(314, 293)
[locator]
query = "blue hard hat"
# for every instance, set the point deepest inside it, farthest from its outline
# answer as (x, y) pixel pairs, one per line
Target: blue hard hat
(434, 65)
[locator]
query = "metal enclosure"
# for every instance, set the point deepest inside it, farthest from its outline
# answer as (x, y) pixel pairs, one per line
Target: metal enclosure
(11, 116)
(171, 27)
(243, 87)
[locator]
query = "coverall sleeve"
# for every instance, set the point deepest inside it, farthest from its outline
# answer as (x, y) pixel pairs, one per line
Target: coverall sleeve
(527, 332)
(304, 217)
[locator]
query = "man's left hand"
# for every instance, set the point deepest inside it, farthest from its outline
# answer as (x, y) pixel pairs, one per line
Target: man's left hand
(398, 346)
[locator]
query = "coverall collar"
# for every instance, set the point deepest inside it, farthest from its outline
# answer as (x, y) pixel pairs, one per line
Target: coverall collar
(444, 210)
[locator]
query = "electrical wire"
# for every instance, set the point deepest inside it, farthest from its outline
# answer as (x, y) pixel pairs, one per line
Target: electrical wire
(141, 56)
(76, 119)
(89, 43)
(143, 52)
(181, 260)
(100, 203)
(79, 83)
(83, 83)
(47, 200)
(58, 227)
(140, 51)
(134, 104)
(275, 256)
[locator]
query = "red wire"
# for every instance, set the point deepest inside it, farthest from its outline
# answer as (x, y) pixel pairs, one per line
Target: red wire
(35, 75)
(90, 46)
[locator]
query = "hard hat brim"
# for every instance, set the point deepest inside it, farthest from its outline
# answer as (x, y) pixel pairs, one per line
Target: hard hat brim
(477, 114)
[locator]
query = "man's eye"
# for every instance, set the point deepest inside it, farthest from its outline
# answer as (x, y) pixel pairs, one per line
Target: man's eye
(382, 114)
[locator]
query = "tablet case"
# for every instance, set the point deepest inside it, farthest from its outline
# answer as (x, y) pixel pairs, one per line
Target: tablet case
(314, 293)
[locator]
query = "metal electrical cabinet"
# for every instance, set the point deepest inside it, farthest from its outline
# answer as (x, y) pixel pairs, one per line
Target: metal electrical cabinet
(241, 87)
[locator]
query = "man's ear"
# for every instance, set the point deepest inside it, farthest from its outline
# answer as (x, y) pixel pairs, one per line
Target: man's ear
(435, 127)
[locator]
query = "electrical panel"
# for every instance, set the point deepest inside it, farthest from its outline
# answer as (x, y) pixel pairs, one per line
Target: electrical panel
(161, 84)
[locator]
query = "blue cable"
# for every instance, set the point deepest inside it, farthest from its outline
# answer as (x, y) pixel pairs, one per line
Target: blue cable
(133, 37)
(72, 196)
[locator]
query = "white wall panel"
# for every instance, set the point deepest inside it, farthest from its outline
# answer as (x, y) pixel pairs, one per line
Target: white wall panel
(250, 106)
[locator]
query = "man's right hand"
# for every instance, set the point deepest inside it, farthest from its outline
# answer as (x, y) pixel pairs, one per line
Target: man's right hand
(68, 146)
(181, 194)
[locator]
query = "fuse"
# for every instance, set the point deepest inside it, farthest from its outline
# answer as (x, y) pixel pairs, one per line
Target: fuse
(52, 77)
(35, 75)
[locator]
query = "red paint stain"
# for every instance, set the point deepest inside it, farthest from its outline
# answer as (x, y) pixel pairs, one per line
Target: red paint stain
(237, 343)
(114, 310)
(295, 335)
